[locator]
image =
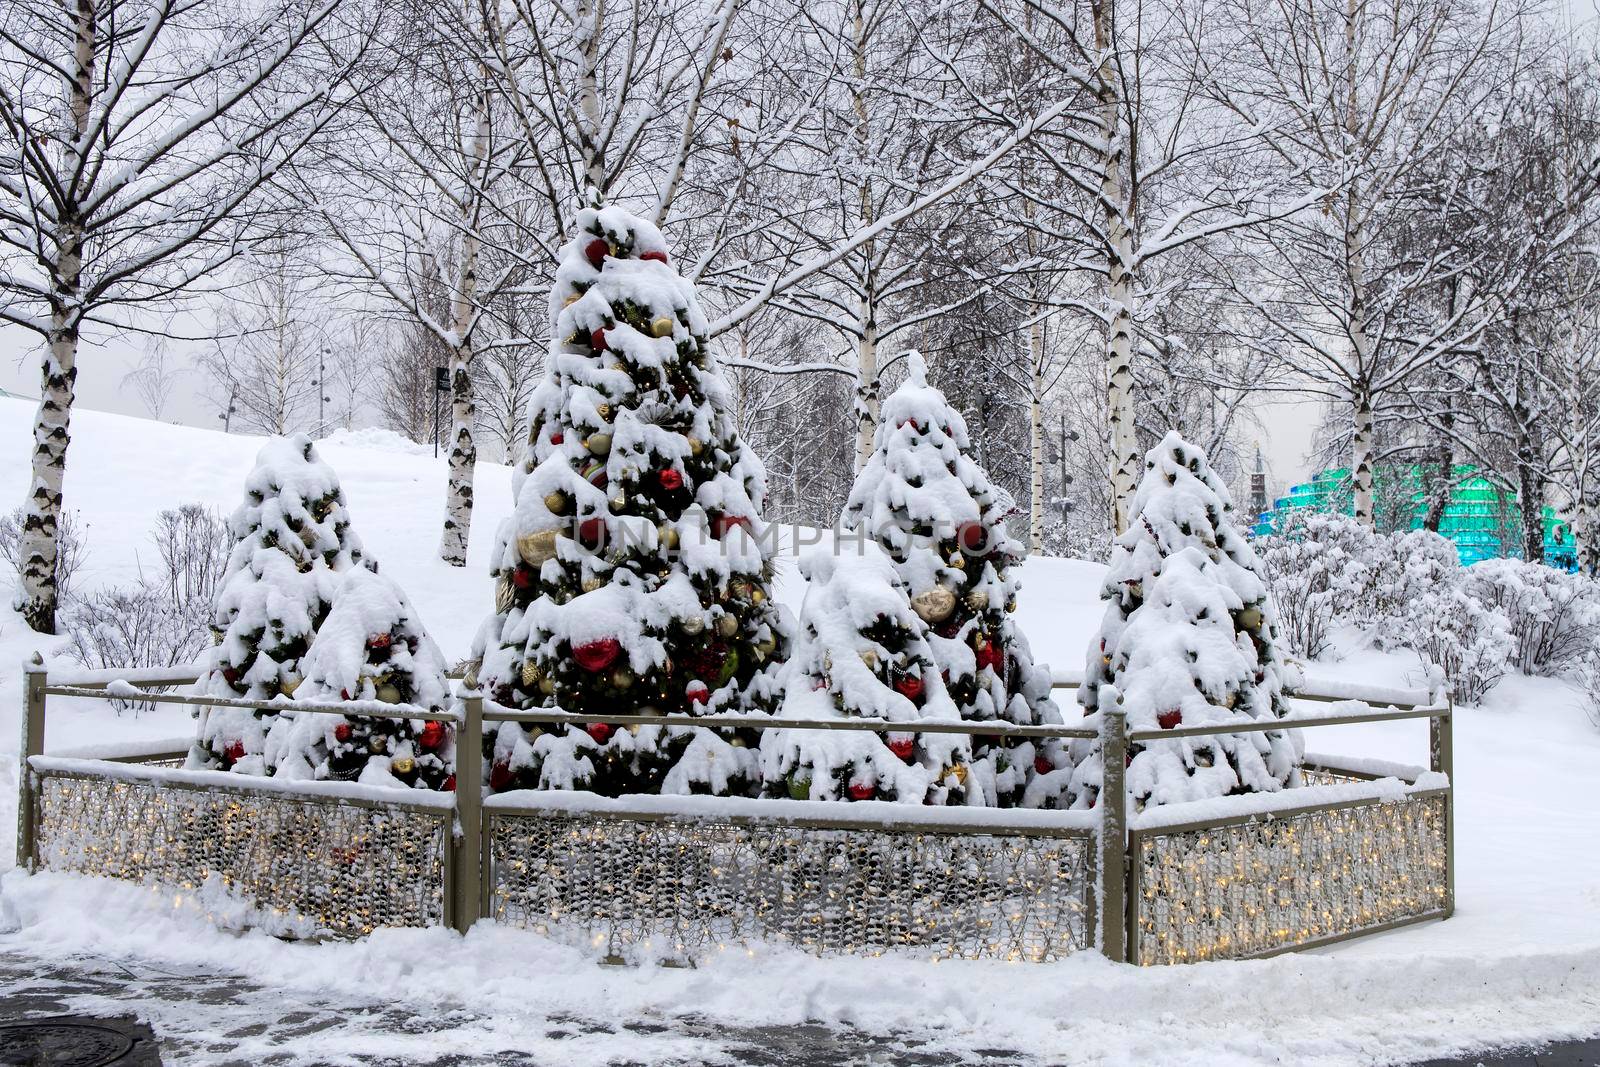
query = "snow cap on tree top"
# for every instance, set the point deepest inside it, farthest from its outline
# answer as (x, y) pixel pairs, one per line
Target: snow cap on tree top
(368, 610)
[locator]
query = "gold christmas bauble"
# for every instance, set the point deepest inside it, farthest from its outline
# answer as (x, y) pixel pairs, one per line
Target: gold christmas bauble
(377, 745)
(696, 446)
(757, 595)
(530, 674)
(547, 685)
(669, 537)
(737, 742)
(978, 600)
(1250, 619)
(958, 561)
(598, 443)
(556, 502)
(604, 411)
(289, 686)
(934, 605)
(389, 693)
(403, 765)
(1011, 605)
(692, 624)
(728, 625)
(661, 327)
(958, 771)
(536, 547)
(870, 658)
(619, 501)
(622, 678)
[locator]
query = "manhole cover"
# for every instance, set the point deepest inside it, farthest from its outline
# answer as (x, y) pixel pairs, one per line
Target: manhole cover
(61, 1044)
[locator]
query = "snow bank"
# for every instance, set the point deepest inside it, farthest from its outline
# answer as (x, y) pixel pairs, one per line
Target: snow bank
(377, 439)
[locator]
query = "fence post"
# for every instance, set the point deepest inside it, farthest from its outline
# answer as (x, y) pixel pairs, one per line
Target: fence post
(1113, 826)
(1441, 758)
(468, 840)
(32, 745)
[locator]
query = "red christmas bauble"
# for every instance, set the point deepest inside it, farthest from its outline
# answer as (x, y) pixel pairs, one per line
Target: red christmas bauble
(902, 746)
(522, 576)
(722, 525)
(654, 257)
(592, 533)
(597, 250)
(597, 655)
(991, 655)
(380, 641)
(499, 775)
(557, 437)
(671, 479)
(861, 792)
(1169, 719)
(234, 751)
(230, 675)
(597, 340)
(449, 784)
(973, 537)
(432, 735)
(1042, 765)
(341, 732)
(599, 731)
(908, 686)
(698, 692)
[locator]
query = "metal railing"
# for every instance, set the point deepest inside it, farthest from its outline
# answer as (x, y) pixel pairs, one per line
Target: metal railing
(1116, 906)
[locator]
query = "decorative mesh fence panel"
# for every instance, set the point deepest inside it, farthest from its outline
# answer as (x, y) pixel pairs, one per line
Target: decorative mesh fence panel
(686, 888)
(1256, 887)
(336, 867)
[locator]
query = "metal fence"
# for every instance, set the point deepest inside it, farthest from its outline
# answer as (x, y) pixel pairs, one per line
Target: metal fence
(681, 878)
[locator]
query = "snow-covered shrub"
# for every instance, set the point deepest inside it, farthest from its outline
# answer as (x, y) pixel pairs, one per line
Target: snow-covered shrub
(1321, 571)
(132, 626)
(1554, 617)
(1189, 637)
(1468, 640)
(193, 542)
(71, 547)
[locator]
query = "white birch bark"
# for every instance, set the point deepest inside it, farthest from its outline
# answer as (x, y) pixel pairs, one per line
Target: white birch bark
(1124, 459)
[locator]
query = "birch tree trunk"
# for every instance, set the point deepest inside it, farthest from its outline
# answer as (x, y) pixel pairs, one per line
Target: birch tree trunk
(463, 456)
(1119, 280)
(37, 596)
(1361, 457)
(1036, 442)
(591, 16)
(867, 343)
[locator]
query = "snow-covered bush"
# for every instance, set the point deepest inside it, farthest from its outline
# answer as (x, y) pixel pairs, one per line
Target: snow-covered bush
(1189, 638)
(1554, 617)
(193, 543)
(132, 626)
(1321, 570)
(71, 547)
(1468, 640)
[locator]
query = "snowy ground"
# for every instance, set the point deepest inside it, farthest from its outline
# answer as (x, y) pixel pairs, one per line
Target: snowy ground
(1520, 961)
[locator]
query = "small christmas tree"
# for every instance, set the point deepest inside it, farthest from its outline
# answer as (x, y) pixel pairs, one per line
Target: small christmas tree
(370, 647)
(292, 541)
(1190, 638)
(862, 653)
(629, 579)
(938, 516)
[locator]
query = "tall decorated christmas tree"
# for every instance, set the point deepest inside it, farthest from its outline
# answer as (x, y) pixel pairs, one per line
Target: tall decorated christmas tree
(630, 577)
(292, 542)
(1189, 638)
(863, 653)
(942, 521)
(371, 647)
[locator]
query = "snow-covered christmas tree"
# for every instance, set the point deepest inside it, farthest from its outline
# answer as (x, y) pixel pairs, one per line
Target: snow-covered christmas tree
(629, 577)
(371, 647)
(292, 541)
(939, 517)
(862, 652)
(1189, 638)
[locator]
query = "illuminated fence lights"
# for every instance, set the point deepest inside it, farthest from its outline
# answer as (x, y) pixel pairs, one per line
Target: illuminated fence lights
(696, 885)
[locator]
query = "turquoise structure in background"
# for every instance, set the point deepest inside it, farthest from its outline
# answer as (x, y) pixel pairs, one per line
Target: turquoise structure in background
(1479, 518)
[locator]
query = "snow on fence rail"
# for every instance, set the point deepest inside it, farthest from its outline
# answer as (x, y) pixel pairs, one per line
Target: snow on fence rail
(1365, 846)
